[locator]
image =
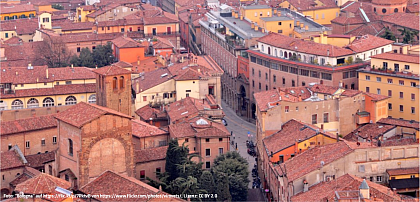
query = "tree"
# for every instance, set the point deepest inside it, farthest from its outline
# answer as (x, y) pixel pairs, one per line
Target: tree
(408, 35)
(187, 185)
(207, 183)
(175, 155)
(222, 188)
(54, 52)
(236, 169)
(349, 60)
(388, 35)
(98, 57)
(190, 168)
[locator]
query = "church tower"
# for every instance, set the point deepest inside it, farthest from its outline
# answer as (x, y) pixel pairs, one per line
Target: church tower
(113, 88)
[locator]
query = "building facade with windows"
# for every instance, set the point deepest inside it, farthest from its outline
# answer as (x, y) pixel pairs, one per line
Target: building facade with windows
(397, 76)
(40, 86)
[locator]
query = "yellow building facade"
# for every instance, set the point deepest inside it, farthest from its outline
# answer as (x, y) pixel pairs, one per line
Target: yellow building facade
(399, 81)
(335, 40)
(59, 88)
(254, 13)
(17, 11)
(282, 25)
(320, 15)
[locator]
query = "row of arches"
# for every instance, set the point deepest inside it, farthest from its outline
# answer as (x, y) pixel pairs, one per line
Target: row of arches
(48, 102)
(290, 55)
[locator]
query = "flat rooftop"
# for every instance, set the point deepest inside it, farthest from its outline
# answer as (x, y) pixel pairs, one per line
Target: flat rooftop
(255, 7)
(276, 18)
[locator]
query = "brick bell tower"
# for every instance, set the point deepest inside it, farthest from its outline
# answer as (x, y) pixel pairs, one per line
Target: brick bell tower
(113, 88)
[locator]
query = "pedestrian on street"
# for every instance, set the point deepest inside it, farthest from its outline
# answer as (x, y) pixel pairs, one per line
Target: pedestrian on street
(236, 146)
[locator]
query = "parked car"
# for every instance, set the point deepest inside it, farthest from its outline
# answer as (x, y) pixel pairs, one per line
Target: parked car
(224, 122)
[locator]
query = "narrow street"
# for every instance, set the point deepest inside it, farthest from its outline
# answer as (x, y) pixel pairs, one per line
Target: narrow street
(240, 129)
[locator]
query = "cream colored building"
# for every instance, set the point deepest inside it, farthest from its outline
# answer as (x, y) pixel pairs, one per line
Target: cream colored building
(40, 86)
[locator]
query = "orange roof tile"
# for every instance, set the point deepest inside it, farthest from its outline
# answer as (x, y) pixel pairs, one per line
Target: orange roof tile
(38, 160)
(110, 183)
(290, 132)
(407, 20)
(400, 122)
(28, 124)
(299, 45)
(398, 57)
(28, 173)
(111, 70)
(151, 154)
(10, 159)
(304, 5)
(151, 79)
(402, 171)
(143, 129)
(56, 90)
(42, 184)
(125, 42)
(83, 113)
(376, 97)
(16, 8)
(368, 42)
(326, 191)
(372, 129)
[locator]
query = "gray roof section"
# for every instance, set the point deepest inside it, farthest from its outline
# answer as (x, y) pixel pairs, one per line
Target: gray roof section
(276, 18)
(256, 7)
(364, 185)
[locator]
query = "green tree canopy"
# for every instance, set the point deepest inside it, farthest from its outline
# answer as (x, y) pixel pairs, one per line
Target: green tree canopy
(100, 56)
(176, 155)
(408, 35)
(388, 35)
(207, 183)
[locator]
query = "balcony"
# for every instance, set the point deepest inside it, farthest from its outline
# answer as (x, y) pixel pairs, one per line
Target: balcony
(389, 72)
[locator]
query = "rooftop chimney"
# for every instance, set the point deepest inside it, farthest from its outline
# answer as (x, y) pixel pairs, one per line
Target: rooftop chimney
(47, 72)
(305, 186)
(301, 25)
(297, 22)
(306, 27)
(256, 27)
(364, 190)
(252, 25)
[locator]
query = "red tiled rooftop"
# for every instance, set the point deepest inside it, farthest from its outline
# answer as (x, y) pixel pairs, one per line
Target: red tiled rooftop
(38, 160)
(304, 5)
(323, 89)
(28, 124)
(125, 42)
(368, 42)
(198, 127)
(110, 183)
(111, 70)
(9, 160)
(42, 184)
(16, 8)
(326, 191)
(27, 174)
(398, 57)
(372, 129)
(291, 131)
(310, 47)
(21, 26)
(407, 20)
(402, 171)
(376, 97)
(56, 90)
(151, 79)
(151, 154)
(83, 113)
(143, 129)
(187, 107)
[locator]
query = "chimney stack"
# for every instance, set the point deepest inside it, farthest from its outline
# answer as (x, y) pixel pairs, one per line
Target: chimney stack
(47, 72)
(306, 27)
(256, 27)
(305, 186)
(252, 25)
(364, 190)
(297, 22)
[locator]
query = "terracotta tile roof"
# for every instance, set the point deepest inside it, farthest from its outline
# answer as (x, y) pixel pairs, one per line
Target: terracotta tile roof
(151, 154)
(326, 191)
(291, 132)
(103, 10)
(304, 5)
(310, 47)
(21, 26)
(56, 90)
(21, 54)
(347, 20)
(16, 8)
(110, 183)
(323, 89)
(151, 79)
(27, 174)
(125, 42)
(312, 157)
(83, 113)
(42, 184)
(38, 160)
(10, 159)
(351, 93)
(70, 25)
(398, 57)
(147, 112)
(198, 127)
(265, 97)
(23, 75)
(143, 129)
(188, 2)
(165, 18)
(111, 70)
(403, 171)
(376, 97)
(87, 7)
(163, 43)
(28, 124)
(121, 22)
(368, 42)
(399, 122)
(353, 6)
(187, 107)
(373, 28)
(122, 64)
(399, 140)
(372, 129)
(407, 20)
(83, 37)
(412, 8)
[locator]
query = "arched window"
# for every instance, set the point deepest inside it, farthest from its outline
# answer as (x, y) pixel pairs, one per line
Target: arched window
(281, 53)
(396, 10)
(71, 100)
(374, 9)
(6, 18)
(33, 103)
(304, 58)
(70, 147)
(114, 83)
(48, 102)
(14, 17)
(269, 50)
(23, 16)
(275, 52)
(17, 104)
(285, 54)
(92, 99)
(3, 105)
(121, 82)
(31, 15)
